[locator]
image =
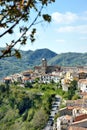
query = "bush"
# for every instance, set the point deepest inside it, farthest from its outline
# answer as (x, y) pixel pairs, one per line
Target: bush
(30, 114)
(12, 101)
(28, 85)
(39, 120)
(2, 88)
(65, 95)
(75, 97)
(24, 104)
(24, 117)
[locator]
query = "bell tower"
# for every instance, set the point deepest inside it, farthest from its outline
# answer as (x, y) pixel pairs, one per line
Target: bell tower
(44, 65)
(44, 62)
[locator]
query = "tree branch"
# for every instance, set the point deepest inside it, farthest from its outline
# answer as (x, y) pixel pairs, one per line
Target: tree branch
(11, 27)
(9, 47)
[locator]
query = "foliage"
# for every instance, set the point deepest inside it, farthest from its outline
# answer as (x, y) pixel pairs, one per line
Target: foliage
(62, 105)
(28, 108)
(69, 59)
(12, 101)
(28, 85)
(60, 91)
(36, 80)
(65, 95)
(39, 120)
(57, 116)
(25, 115)
(17, 15)
(72, 89)
(2, 88)
(75, 97)
(30, 114)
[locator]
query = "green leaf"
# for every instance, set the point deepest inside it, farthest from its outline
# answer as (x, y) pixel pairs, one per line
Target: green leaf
(10, 31)
(23, 41)
(47, 17)
(33, 31)
(17, 54)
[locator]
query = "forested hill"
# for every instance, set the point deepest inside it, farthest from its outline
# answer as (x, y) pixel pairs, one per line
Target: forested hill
(70, 59)
(31, 58)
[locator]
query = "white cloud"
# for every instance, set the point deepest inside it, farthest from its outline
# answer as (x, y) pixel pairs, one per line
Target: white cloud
(78, 29)
(66, 29)
(84, 16)
(66, 18)
(60, 40)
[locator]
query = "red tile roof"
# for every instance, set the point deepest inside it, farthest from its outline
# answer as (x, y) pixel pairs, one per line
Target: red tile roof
(76, 128)
(80, 117)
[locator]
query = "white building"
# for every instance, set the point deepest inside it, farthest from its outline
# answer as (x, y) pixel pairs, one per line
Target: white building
(48, 78)
(63, 121)
(82, 85)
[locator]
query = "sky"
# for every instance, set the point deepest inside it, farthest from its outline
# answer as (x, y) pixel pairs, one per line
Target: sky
(68, 30)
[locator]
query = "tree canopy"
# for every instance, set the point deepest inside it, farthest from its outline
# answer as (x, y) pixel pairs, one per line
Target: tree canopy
(21, 15)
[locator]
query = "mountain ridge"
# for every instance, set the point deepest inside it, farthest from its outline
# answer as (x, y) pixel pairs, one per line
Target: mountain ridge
(33, 58)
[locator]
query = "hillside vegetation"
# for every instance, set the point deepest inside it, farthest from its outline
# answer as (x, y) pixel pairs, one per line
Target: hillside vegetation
(70, 59)
(28, 107)
(20, 109)
(32, 58)
(25, 108)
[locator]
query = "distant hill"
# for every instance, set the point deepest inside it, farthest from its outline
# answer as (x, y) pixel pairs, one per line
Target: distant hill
(35, 57)
(32, 58)
(29, 60)
(69, 59)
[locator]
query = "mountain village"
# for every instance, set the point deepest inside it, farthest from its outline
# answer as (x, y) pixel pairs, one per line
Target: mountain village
(74, 115)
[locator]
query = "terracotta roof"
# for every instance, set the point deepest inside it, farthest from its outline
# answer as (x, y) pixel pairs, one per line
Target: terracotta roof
(7, 78)
(37, 67)
(70, 108)
(26, 78)
(28, 72)
(84, 81)
(80, 117)
(83, 93)
(82, 123)
(67, 117)
(76, 128)
(80, 103)
(82, 71)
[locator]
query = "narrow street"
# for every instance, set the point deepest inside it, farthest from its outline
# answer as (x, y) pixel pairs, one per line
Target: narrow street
(54, 111)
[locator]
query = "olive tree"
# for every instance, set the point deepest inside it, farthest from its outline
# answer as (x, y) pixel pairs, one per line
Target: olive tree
(22, 15)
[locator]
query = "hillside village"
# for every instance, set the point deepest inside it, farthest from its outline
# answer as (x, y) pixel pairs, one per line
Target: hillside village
(74, 115)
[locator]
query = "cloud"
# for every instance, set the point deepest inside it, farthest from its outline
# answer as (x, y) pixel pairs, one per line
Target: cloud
(66, 18)
(60, 40)
(84, 16)
(78, 29)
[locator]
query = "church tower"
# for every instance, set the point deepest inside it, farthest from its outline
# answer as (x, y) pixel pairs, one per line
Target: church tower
(44, 65)
(44, 62)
